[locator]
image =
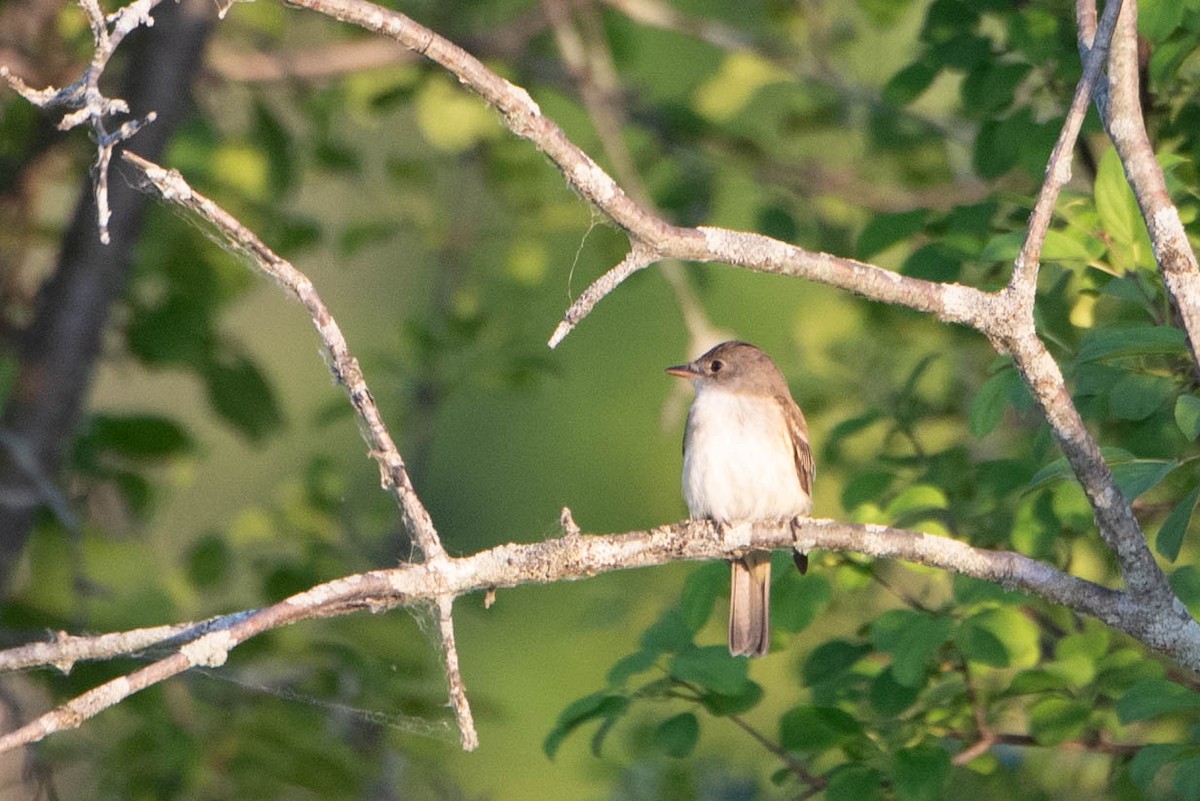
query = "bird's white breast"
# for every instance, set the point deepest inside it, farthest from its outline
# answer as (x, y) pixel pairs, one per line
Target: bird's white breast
(739, 463)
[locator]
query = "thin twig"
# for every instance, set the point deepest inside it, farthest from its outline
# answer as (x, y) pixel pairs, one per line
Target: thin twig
(90, 104)
(1058, 168)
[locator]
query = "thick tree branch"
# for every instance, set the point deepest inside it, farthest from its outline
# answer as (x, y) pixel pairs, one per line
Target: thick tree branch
(577, 556)
(1121, 111)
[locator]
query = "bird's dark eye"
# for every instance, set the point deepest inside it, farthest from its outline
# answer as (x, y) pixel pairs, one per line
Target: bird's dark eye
(716, 365)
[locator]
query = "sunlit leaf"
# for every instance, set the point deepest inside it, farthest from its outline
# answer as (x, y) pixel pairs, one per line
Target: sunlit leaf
(741, 75)
(1055, 720)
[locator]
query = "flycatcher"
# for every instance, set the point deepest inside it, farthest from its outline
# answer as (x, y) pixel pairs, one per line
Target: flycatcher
(746, 457)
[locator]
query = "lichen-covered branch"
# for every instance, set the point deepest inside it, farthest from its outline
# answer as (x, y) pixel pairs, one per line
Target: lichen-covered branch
(577, 556)
(1120, 108)
(89, 104)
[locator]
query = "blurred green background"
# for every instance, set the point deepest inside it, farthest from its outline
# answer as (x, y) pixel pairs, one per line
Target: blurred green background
(218, 467)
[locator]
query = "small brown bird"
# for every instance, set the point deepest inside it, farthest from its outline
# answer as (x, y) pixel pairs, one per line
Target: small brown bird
(746, 457)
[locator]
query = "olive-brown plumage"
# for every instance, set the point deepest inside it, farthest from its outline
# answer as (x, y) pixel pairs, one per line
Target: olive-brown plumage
(746, 457)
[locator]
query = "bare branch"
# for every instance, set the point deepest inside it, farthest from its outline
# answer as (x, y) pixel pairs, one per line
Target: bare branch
(65, 649)
(91, 106)
(590, 63)
(1058, 169)
(1121, 110)
(346, 371)
(577, 556)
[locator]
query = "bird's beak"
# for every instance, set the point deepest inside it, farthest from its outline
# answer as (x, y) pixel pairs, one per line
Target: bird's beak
(684, 371)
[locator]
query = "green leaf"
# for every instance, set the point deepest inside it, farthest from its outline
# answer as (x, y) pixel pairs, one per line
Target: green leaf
(920, 773)
(1185, 581)
(1037, 680)
(978, 644)
(677, 737)
(1109, 344)
(911, 638)
(884, 230)
(1187, 778)
(208, 561)
(700, 591)
(797, 600)
(888, 696)
(1053, 721)
(1114, 200)
(629, 666)
(1137, 396)
(983, 636)
(817, 728)
(1169, 539)
(720, 705)
(854, 782)
(1133, 476)
(1141, 475)
(239, 392)
(590, 707)
(712, 668)
(831, 659)
(989, 403)
(1153, 697)
(867, 486)
(1057, 246)
(988, 89)
(138, 436)
(1120, 670)
(1158, 19)
(1150, 759)
(668, 635)
(1187, 415)
(908, 84)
